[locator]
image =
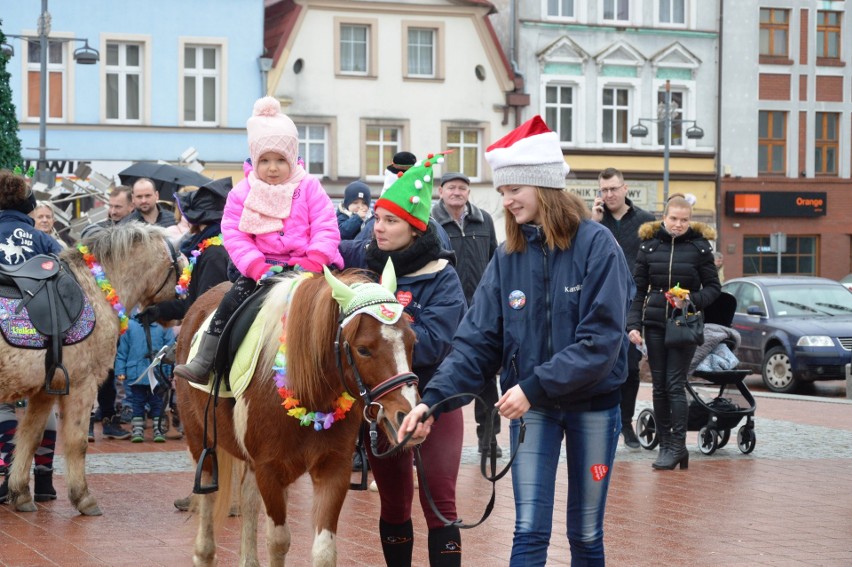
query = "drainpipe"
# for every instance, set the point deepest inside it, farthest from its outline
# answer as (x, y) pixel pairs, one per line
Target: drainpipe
(516, 99)
(719, 167)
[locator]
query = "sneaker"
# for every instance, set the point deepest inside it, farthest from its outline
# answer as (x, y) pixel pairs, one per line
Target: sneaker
(630, 438)
(159, 436)
(113, 429)
(138, 433)
(91, 430)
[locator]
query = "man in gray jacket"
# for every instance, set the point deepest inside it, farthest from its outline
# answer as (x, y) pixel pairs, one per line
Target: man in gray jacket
(472, 235)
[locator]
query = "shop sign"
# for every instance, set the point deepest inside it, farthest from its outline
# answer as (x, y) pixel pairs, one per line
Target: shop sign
(776, 204)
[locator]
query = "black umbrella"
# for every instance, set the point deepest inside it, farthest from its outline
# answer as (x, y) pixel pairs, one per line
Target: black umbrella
(167, 178)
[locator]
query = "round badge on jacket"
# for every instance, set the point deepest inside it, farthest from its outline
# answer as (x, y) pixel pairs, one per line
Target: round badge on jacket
(517, 299)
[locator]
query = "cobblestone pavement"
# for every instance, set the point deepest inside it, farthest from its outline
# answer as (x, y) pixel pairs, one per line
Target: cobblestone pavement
(787, 503)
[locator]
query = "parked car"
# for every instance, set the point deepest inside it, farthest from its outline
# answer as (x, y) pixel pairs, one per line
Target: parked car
(847, 281)
(794, 329)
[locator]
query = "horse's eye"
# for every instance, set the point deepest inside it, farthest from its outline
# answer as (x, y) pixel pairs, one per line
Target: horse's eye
(363, 351)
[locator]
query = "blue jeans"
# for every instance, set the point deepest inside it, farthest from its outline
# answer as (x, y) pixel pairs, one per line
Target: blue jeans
(590, 441)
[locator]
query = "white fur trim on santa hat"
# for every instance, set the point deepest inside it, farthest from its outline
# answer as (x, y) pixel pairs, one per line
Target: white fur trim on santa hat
(532, 150)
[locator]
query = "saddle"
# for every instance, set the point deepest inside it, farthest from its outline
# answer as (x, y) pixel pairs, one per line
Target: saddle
(54, 302)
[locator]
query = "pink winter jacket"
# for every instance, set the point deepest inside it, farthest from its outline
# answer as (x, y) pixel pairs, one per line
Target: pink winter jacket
(311, 229)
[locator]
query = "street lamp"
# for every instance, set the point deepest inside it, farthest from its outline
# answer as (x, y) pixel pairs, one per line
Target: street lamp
(667, 119)
(85, 55)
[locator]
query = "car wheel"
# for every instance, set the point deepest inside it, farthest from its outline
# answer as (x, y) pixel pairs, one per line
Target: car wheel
(646, 429)
(778, 371)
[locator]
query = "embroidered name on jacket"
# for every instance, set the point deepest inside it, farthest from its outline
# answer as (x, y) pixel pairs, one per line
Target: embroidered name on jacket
(573, 288)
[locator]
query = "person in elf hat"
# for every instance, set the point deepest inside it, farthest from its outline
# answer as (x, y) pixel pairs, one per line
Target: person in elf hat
(430, 290)
(278, 217)
(550, 310)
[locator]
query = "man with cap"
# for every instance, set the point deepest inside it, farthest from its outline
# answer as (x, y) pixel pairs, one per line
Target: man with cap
(354, 212)
(472, 235)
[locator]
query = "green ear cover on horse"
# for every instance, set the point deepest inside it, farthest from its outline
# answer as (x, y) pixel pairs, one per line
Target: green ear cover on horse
(341, 292)
(388, 280)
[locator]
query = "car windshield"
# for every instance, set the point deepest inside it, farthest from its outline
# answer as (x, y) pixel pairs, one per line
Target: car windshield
(810, 300)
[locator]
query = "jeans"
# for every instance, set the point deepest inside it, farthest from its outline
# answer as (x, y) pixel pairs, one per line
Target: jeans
(591, 438)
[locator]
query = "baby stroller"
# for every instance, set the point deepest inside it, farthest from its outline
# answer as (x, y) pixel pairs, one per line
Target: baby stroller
(713, 418)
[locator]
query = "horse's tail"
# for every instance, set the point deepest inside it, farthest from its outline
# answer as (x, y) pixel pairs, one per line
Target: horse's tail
(275, 306)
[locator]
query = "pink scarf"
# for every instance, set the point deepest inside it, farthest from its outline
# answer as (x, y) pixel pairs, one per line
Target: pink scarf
(266, 206)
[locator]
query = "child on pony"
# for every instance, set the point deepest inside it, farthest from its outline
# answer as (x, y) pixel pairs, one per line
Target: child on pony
(278, 217)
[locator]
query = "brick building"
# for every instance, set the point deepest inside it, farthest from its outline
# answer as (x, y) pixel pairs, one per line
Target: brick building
(786, 137)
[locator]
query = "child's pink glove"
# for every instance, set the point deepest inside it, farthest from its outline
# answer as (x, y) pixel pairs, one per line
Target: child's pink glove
(257, 268)
(313, 263)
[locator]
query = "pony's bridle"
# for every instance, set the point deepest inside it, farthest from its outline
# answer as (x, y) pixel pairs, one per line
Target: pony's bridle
(173, 256)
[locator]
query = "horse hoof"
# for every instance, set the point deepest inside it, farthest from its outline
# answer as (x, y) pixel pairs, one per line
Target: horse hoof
(91, 510)
(28, 506)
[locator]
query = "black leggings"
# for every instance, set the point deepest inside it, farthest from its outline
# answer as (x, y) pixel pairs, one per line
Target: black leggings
(669, 366)
(235, 297)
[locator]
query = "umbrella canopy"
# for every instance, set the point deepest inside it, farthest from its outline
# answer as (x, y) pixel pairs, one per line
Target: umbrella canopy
(167, 178)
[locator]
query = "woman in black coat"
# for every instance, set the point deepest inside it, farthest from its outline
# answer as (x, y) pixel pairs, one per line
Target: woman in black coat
(673, 252)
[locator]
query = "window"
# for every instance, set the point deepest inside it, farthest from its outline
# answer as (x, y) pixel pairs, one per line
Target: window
(828, 34)
(675, 114)
(560, 8)
(201, 85)
(616, 10)
(123, 67)
(559, 111)
(672, 12)
(381, 144)
(774, 31)
(799, 259)
(616, 115)
(421, 52)
(827, 143)
(354, 49)
(313, 146)
(466, 144)
(56, 80)
(772, 142)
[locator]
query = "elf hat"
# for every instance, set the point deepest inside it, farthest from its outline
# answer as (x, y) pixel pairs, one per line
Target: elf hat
(528, 155)
(271, 131)
(410, 196)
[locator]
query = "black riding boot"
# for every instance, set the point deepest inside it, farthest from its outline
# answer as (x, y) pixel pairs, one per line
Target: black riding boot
(677, 454)
(397, 543)
(445, 548)
(43, 490)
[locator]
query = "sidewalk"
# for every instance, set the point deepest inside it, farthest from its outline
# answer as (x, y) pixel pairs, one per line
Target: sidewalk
(788, 503)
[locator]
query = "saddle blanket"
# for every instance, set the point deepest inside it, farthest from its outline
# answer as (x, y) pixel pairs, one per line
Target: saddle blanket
(18, 330)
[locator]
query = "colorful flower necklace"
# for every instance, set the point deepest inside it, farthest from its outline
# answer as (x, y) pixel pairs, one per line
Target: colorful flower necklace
(320, 420)
(182, 286)
(106, 287)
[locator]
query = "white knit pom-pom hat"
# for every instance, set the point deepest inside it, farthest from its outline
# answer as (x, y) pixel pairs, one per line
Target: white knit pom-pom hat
(528, 155)
(269, 130)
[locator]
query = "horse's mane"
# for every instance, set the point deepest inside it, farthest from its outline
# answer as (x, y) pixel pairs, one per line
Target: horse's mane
(311, 318)
(114, 243)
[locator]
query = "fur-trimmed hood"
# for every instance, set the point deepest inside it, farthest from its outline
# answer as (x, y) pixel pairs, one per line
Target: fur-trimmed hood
(652, 229)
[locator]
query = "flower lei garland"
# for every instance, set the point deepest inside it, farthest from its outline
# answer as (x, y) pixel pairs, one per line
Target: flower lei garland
(320, 420)
(182, 287)
(106, 287)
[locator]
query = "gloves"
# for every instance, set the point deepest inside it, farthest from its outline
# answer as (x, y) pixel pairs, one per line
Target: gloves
(150, 315)
(257, 268)
(312, 263)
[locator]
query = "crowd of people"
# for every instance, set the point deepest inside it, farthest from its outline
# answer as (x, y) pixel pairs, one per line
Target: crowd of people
(547, 328)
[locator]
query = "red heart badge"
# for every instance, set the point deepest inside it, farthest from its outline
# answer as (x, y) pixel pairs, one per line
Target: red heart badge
(599, 472)
(404, 297)
(48, 265)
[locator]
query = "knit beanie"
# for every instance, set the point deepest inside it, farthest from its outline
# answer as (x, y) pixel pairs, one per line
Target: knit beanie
(401, 162)
(356, 190)
(528, 155)
(271, 131)
(410, 196)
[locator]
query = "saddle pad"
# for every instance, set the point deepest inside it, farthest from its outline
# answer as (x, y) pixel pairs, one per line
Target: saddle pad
(19, 331)
(243, 366)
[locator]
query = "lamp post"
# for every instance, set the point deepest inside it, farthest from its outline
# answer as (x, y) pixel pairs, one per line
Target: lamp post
(666, 118)
(84, 56)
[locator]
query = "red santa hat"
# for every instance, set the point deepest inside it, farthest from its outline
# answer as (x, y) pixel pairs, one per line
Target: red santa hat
(528, 155)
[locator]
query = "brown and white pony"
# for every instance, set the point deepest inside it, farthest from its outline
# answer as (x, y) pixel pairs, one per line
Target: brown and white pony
(143, 269)
(373, 361)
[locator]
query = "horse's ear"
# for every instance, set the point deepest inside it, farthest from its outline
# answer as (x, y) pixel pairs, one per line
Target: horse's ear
(341, 292)
(389, 277)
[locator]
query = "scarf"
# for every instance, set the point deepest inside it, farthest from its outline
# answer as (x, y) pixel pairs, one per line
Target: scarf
(425, 248)
(266, 206)
(190, 244)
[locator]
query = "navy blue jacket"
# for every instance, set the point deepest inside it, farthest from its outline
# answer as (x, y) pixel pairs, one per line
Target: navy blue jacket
(433, 302)
(20, 240)
(552, 319)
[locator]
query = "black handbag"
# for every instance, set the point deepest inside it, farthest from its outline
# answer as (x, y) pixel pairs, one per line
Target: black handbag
(685, 328)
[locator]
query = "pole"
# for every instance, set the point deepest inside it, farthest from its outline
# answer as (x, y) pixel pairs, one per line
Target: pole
(44, 22)
(667, 129)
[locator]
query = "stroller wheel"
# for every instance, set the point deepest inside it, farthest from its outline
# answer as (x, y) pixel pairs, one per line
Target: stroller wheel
(746, 439)
(708, 441)
(724, 436)
(646, 429)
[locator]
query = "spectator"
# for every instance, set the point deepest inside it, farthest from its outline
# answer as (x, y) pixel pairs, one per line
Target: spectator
(45, 221)
(354, 212)
(474, 240)
(120, 203)
(613, 209)
(146, 207)
(719, 261)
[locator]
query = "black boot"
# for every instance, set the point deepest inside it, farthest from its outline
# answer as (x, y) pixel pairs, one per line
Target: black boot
(198, 369)
(4, 490)
(43, 490)
(397, 543)
(445, 548)
(663, 423)
(629, 434)
(677, 453)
